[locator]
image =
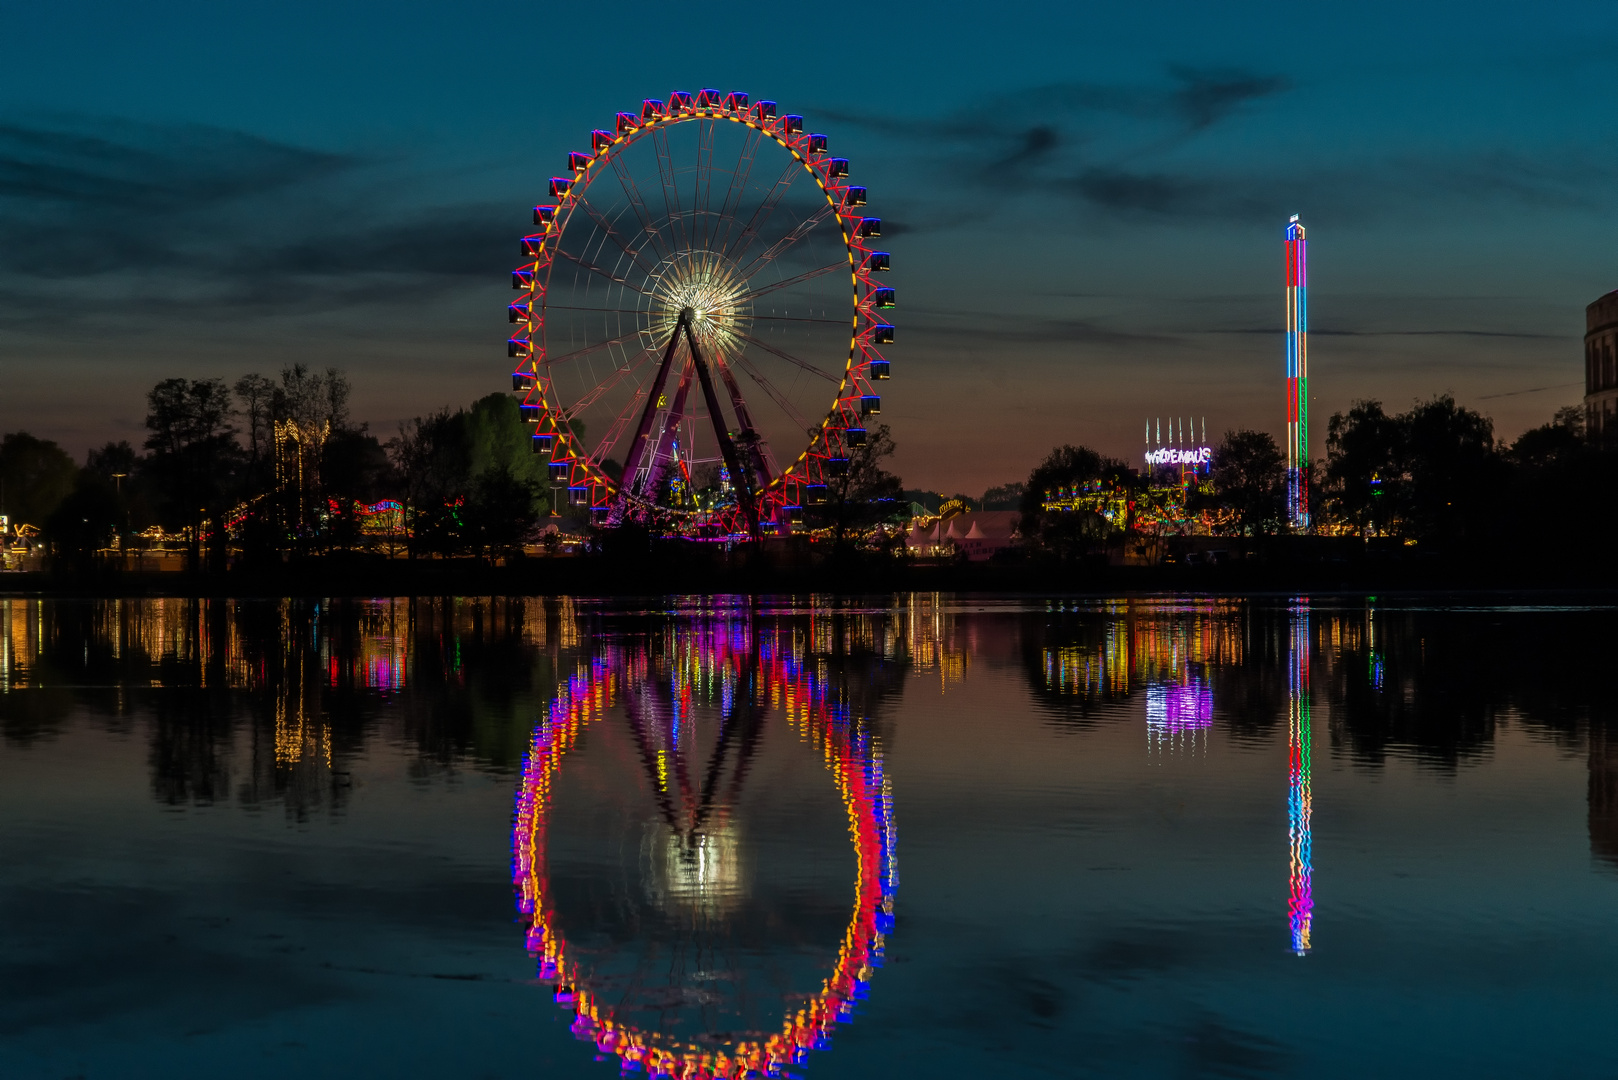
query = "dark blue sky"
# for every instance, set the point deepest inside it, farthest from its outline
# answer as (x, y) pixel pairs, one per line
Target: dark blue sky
(1084, 202)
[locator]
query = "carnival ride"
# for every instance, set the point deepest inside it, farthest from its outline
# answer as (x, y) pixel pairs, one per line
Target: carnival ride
(650, 1009)
(686, 341)
(1297, 298)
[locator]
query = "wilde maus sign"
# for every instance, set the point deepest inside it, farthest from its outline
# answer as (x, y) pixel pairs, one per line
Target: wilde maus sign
(1170, 455)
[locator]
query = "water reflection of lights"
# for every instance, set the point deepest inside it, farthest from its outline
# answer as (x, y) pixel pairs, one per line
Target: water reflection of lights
(1300, 901)
(1178, 716)
(701, 872)
(701, 868)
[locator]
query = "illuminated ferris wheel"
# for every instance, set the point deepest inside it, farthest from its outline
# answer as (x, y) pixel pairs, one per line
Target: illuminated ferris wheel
(700, 324)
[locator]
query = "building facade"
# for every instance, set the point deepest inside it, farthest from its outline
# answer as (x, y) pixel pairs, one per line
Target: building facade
(1601, 371)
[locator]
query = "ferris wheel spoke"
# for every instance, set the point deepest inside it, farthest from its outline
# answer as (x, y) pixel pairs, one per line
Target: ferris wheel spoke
(788, 357)
(794, 318)
(632, 193)
(780, 399)
(608, 274)
(796, 279)
(596, 310)
(775, 250)
(738, 182)
(671, 188)
(612, 234)
(765, 209)
(588, 349)
(601, 388)
(704, 179)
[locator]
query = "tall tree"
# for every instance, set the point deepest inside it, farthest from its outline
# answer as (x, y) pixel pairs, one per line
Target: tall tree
(1364, 467)
(1068, 534)
(256, 393)
(194, 456)
(866, 493)
(1455, 474)
(1248, 474)
(434, 466)
(35, 476)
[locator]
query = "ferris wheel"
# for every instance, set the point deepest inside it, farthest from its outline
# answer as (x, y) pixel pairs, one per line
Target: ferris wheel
(699, 331)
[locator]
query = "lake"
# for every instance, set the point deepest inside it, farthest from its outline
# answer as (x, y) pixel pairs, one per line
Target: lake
(917, 835)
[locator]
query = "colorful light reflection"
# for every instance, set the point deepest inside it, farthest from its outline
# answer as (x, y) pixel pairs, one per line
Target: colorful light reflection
(850, 754)
(1177, 713)
(1300, 900)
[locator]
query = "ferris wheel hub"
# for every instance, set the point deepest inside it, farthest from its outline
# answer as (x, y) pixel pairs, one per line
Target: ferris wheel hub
(706, 288)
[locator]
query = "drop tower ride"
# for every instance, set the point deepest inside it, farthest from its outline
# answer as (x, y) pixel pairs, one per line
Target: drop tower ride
(1297, 376)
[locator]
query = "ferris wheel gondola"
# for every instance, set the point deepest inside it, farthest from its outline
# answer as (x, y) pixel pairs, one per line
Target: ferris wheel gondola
(700, 325)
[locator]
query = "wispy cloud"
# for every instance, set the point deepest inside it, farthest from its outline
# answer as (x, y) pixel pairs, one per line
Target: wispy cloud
(101, 217)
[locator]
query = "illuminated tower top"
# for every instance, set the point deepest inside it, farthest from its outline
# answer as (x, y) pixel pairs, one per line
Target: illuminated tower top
(1297, 375)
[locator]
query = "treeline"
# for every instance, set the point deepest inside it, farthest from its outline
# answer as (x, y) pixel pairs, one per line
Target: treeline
(273, 467)
(1433, 477)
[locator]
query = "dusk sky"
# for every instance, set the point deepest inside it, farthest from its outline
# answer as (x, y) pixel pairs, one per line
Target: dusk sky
(1085, 203)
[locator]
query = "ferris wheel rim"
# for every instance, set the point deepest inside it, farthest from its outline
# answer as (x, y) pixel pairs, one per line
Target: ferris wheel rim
(840, 427)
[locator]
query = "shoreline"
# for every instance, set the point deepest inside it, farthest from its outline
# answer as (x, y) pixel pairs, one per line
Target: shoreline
(593, 576)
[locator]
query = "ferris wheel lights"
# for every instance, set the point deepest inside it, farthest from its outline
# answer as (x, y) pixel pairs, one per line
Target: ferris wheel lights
(520, 312)
(879, 369)
(559, 470)
(541, 442)
(817, 144)
(707, 99)
(765, 110)
(854, 436)
(578, 162)
(882, 298)
(679, 101)
(533, 246)
(876, 261)
(854, 196)
(522, 279)
(882, 334)
(600, 140)
(625, 123)
(870, 405)
(651, 109)
(871, 226)
(530, 413)
(837, 168)
(814, 494)
(521, 382)
(578, 496)
(560, 186)
(836, 466)
(544, 215)
(792, 124)
(735, 102)
(520, 348)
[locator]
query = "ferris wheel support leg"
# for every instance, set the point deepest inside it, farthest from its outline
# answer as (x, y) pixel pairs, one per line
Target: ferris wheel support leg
(739, 475)
(637, 448)
(663, 449)
(749, 434)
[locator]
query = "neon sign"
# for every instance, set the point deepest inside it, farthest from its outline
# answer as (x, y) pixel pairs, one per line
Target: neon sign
(1171, 455)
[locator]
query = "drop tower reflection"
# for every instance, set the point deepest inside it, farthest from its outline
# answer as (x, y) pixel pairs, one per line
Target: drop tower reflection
(678, 971)
(1300, 898)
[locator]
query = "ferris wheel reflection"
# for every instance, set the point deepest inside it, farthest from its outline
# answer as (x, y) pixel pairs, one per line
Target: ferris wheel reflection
(677, 975)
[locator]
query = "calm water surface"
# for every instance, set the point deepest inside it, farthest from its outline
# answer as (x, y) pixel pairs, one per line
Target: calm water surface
(483, 837)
